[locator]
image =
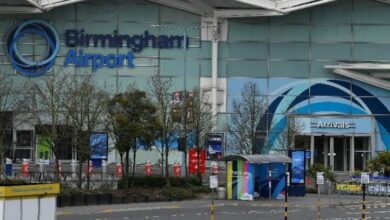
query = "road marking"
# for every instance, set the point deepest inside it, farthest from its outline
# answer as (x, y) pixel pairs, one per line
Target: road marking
(105, 211)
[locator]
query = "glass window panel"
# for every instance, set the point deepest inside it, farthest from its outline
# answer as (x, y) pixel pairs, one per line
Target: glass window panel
(295, 86)
(99, 12)
(139, 12)
(299, 69)
(364, 33)
(247, 32)
(331, 51)
(301, 16)
(331, 15)
(172, 15)
(289, 51)
(331, 33)
(247, 50)
(282, 32)
(246, 68)
(365, 14)
(24, 138)
(318, 70)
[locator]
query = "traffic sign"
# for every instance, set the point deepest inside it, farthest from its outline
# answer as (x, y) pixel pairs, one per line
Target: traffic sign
(213, 182)
(320, 178)
(365, 178)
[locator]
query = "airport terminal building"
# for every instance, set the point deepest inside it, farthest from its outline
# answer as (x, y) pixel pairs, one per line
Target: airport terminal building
(323, 62)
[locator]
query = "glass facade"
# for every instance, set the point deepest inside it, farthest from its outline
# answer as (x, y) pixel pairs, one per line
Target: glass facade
(284, 55)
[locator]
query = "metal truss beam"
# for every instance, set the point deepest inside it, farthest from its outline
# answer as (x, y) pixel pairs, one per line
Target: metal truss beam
(241, 13)
(183, 5)
(49, 4)
(266, 4)
(363, 78)
(19, 10)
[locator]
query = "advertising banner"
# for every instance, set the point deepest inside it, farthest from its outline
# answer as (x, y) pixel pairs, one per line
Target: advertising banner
(99, 145)
(298, 167)
(239, 180)
(214, 144)
(278, 173)
(193, 161)
(43, 148)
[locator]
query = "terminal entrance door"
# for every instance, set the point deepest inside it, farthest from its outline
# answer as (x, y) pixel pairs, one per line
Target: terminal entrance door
(340, 153)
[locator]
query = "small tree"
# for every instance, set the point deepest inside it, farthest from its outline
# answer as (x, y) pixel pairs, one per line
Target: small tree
(47, 110)
(286, 138)
(8, 106)
(381, 163)
(162, 99)
(199, 119)
(134, 123)
(85, 112)
(243, 121)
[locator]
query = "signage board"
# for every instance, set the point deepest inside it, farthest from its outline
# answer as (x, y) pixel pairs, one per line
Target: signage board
(196, 162)
(214, 144)
(99, 145)
(298, 167)
(320, 178)
(213, 181)
(79, 43)
(364, 178)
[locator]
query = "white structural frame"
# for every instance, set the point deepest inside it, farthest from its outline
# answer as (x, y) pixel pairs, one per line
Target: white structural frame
(349, 70)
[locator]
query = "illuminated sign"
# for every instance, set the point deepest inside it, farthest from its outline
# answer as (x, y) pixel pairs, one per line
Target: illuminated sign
(80, 39)
(341, 124)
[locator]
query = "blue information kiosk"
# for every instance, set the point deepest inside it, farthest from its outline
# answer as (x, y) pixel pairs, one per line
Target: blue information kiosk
(297, 173)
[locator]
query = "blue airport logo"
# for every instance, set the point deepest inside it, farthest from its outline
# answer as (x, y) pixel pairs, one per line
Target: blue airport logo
(26, 66)
(78, 40)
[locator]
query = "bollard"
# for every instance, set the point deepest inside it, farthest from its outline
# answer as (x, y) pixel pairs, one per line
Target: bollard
(176, 169)
(41, 166)
(104, 169)
(8, 167)
(364, 202)
(286, 185)
(89, 168)
(212, 213)
(318, 203)
(25, 167)
(147, 168)
(73, 165)
(118, 169)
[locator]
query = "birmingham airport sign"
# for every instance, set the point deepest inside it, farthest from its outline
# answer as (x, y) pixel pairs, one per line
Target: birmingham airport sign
(78, 38)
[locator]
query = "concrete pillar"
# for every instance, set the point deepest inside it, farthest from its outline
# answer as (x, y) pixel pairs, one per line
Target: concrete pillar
(214, 73)
(345, 162)
(312, 150)
(331, 153)
(352, 154)
(326, 151)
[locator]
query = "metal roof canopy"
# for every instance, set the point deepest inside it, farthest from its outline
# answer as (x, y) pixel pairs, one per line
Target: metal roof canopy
(369, 75)
(259, 158)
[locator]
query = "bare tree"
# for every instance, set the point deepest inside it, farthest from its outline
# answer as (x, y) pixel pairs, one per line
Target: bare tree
(286, 138)
(162, 98)
(85, 112)
(199, 119)
(47, 111)
(243, 121)
(8, 106)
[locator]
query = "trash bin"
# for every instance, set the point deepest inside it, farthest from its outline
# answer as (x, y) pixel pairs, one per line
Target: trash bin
(221, 192)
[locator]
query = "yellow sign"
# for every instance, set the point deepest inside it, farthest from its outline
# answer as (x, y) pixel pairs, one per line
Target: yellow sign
(348, 187)
(29, 190)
